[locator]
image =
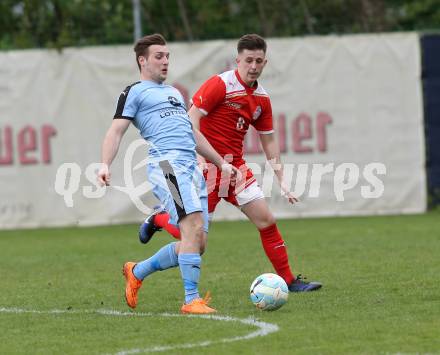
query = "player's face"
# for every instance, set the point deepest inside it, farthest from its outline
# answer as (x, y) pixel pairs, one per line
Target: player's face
(250, 64)
(155, 66)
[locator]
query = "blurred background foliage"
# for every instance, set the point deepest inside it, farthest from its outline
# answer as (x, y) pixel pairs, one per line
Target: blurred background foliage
(61, 23)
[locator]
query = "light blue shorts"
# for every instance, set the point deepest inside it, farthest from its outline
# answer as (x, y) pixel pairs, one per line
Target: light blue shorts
(180, 187)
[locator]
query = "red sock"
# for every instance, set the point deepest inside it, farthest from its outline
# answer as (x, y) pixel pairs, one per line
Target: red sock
(275, 249)
(161, 220)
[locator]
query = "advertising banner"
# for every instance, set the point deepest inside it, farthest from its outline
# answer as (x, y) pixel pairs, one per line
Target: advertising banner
(347, 110)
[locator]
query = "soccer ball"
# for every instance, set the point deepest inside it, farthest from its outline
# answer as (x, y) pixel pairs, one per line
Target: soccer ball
(269, 292)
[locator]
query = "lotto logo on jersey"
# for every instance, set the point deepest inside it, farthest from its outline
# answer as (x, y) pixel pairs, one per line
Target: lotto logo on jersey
(173, 101)
(256, 113)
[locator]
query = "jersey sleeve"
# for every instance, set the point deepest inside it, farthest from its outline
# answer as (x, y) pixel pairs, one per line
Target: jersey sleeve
(210, 94)
(128, 104)
(264, 123)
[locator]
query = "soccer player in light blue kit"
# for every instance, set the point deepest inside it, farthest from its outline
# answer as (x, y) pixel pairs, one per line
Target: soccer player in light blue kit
(158, 112)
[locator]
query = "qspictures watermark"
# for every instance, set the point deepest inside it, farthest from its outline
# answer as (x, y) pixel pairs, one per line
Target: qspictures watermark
(304, 180)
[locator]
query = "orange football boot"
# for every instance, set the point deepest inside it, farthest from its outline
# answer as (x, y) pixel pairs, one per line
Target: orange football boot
(198, 306)
(132, 284)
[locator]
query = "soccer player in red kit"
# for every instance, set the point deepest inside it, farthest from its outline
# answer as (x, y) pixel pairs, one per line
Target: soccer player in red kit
(223, 109)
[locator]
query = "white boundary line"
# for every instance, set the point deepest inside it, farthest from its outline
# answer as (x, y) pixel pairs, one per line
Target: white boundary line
(263, 328)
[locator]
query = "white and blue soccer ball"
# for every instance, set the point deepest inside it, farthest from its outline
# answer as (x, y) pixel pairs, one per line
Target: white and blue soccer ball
(269, 292)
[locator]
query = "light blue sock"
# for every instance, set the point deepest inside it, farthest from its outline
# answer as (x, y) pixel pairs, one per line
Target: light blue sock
(164, 259)
(190, 269)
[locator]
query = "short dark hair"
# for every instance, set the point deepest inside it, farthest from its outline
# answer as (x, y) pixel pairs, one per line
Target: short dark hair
(142, 45)
(251, 42)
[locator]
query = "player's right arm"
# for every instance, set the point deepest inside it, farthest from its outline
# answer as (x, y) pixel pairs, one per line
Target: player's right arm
(110, 147)
(126, 109)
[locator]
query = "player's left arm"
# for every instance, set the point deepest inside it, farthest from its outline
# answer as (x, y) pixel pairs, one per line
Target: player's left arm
(205, 149)
(272, 151)
(195, 114)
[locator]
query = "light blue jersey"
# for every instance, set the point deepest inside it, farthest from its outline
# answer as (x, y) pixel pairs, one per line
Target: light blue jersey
(159, 112)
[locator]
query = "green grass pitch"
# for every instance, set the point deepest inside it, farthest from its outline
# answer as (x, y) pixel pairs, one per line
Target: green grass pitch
(381, 291)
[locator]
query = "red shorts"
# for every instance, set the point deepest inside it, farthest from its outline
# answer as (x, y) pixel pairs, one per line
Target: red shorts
(219, 187)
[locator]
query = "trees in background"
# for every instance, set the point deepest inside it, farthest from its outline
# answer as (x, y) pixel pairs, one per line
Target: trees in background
(61, 23)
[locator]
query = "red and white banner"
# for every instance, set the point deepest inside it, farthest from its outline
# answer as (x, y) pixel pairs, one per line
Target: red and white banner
(348, 112)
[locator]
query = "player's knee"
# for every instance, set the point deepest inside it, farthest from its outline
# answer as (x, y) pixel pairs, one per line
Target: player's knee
(265, 220)
(193, 227)
(197, 227)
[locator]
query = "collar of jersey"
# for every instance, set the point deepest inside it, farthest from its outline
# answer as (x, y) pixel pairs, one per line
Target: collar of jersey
(246, 86)
(152, 82)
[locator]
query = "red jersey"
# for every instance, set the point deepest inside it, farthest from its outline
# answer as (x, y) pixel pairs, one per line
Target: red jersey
(230, 106)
